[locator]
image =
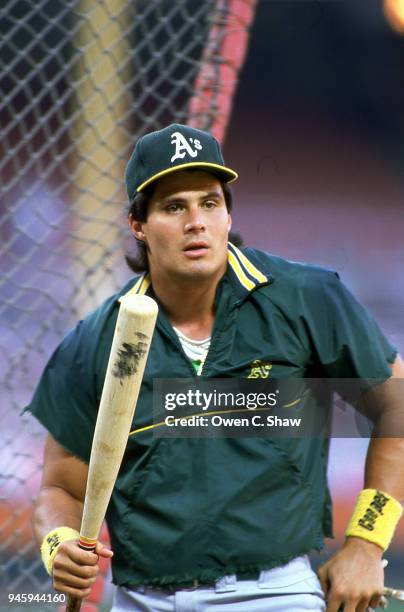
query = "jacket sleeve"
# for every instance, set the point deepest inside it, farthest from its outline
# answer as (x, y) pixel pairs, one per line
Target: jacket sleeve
(65, 399)
(346, 338)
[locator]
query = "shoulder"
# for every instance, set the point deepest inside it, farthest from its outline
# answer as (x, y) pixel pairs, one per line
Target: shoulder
(108, 309)
(292, 275)
(97, 324)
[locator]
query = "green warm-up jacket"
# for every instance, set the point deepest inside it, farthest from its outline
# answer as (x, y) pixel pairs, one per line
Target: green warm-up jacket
(199, 508)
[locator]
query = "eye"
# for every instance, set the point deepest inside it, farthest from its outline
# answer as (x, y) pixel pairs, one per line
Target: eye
(209, 204)
(174, 207)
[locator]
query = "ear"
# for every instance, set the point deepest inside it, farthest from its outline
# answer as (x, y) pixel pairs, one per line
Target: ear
(230, 222)
(136, 228)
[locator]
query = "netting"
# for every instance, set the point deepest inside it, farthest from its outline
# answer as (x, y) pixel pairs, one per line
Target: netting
(80, 82)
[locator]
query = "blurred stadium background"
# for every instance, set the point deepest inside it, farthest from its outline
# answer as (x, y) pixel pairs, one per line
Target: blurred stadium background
(314, 126)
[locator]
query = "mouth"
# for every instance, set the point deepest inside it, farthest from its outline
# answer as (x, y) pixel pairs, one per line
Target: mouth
(196, 249)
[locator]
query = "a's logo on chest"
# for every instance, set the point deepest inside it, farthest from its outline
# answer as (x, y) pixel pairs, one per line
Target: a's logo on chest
(259, 369)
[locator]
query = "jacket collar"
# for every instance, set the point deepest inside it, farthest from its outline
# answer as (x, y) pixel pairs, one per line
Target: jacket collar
(243, 274)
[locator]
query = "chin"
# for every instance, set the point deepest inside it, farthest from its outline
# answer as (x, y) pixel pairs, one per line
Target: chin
(198, 270)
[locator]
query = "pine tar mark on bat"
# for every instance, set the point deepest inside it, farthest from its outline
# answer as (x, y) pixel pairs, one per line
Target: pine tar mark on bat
(128, 357)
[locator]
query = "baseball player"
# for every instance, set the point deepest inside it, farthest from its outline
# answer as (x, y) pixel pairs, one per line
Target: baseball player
(216, 523)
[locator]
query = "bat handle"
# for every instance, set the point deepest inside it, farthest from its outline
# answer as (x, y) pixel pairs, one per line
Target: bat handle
(74, 603)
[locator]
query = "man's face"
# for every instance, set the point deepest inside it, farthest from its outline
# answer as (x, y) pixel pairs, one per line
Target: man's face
(187, 227)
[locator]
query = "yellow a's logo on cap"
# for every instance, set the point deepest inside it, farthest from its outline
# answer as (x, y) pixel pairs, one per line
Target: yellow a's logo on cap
(182, 146)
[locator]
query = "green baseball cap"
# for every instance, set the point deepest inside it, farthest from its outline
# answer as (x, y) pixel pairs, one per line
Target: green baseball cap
(176, 147)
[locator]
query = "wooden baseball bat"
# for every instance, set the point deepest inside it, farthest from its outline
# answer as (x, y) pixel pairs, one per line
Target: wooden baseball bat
(130, 347)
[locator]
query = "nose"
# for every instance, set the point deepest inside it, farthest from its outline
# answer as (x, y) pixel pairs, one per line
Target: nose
(194, 221)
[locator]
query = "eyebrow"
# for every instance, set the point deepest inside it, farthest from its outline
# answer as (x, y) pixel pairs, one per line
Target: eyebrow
(209, 194)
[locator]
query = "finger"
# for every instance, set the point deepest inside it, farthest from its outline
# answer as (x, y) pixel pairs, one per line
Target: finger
(334, 604)
(80, 594)
(357, 603)
(66, 579)
(375, 601)
(82, 557)
(102, 551)
(64, 564)
(338, 601)
(73, 551)
(322, 576)
(350, 606)
(363, 605)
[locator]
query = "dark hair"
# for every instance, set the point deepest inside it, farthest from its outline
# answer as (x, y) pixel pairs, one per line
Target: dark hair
(138, 208)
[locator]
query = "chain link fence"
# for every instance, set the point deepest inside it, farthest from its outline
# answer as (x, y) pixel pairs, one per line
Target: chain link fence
(80, 82)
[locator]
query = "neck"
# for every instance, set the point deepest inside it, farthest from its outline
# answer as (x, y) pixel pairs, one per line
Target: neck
(189, 305)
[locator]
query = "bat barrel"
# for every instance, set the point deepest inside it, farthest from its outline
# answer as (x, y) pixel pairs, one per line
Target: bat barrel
(127, 361)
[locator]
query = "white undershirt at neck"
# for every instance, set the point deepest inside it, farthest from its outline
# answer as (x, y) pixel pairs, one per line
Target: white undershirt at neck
(195, 350)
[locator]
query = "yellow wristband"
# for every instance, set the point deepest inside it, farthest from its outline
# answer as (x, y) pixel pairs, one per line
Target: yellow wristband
(375, 517)
(51, 543)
